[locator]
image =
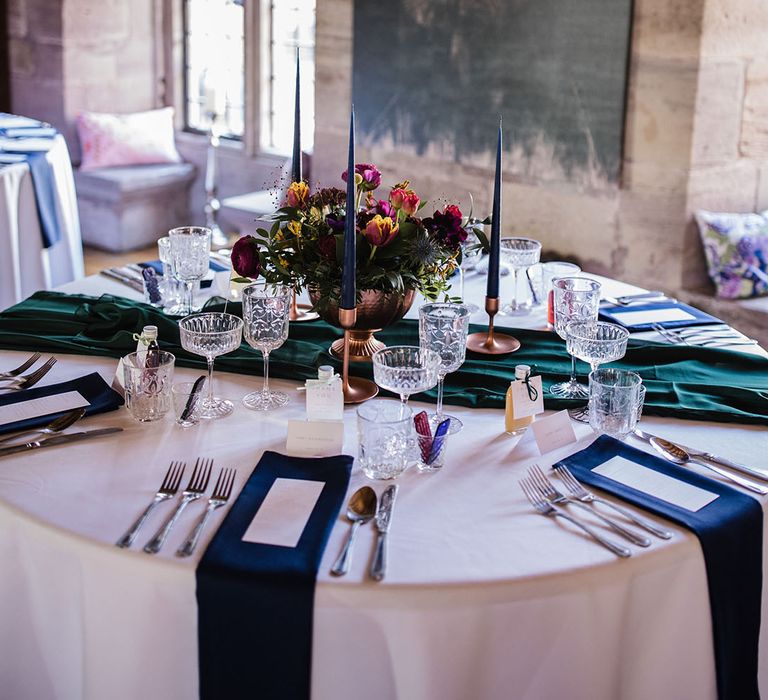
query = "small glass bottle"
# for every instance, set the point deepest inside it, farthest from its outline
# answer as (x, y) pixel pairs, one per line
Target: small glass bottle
(325, 398)
(516, 426)
(147, 339)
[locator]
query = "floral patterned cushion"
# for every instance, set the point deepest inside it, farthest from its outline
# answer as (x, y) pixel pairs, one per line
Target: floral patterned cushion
(736, 248)
(109, 140)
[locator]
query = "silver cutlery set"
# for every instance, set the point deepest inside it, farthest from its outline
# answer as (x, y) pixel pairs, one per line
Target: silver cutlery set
(15, 380)
(712, 335)
(195, 490)
(547, 500)
(363, 507)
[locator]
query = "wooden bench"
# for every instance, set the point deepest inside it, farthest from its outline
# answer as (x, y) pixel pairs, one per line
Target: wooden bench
(131, 207)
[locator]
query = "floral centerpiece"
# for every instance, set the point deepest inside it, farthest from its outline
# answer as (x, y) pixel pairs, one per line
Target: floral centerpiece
(397, 251)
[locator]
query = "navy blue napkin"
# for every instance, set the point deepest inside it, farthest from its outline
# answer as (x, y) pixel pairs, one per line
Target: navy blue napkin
(157, 266)
(617, 314)
(100, 396)
(42, 179)
(255, 601)
(730, 530)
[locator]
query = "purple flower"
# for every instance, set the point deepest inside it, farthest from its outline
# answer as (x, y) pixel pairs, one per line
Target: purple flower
(367, 177)
(383, 208)
(336, 224)
(245, 257)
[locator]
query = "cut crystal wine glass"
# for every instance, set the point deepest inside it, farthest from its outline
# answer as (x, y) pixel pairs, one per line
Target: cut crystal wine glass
(190, 253)
(443, 328)
(405, 369)
(211, 335)
(576, 299)
(265, 313)
(519, 254)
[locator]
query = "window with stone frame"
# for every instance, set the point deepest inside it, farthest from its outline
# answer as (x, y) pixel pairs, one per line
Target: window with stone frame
(236, 59)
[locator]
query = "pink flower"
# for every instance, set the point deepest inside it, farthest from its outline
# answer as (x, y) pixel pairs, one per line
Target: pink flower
(411, 203)
(367, 177)
(397, 197)
(380, 231)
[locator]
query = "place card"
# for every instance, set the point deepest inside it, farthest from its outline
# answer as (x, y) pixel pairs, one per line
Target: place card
(43, 406)
(315, 438)
(553, 432)
(665, 488)
(284, 512)
(639, 318)
(521, 400)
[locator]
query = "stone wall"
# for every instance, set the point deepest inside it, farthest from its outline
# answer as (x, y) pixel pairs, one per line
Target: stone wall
(694, 139)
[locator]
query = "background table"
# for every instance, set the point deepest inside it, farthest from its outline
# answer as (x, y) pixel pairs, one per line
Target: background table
(483, 599)
(25, 265)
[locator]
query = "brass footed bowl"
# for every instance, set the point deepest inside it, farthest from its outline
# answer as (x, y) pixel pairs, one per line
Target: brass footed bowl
(376, 310)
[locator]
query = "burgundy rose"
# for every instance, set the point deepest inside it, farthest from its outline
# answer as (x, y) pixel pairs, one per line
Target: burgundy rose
(326, 245)
(446, 226)
(245, 257)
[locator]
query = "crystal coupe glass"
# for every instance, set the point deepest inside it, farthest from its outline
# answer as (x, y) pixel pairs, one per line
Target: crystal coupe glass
(211, 335)
(265, 313)
(596, 342)
(405, 369)
(443, 328)
(576, 299)
(519, 254)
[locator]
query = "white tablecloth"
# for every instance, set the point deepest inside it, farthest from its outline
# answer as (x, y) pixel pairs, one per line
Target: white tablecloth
(484, 599)
(25, 265)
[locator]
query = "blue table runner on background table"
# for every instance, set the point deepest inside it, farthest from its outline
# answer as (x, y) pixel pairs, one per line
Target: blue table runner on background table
(730, 530)
(255, 601)
(40, 169)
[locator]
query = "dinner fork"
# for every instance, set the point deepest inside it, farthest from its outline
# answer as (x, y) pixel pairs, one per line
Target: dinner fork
(547, 489)
(21, 368)
(167, 490)
(221, 493)
(28, 380)
(667, 334)
(579, 492)
(546, 508)
(198, 482)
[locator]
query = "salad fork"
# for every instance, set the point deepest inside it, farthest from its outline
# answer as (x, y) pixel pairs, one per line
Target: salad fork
(547, 489)
(167, 490)
(580, 493)
(221, 492)
(21, 368)
(28, 380)
(198, 482)
(546, 508)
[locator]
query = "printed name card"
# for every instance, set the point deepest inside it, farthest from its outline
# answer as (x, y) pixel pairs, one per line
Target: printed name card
(665, 488)
(315, 438)
(42, 406)
(639, 318)
(524, 406)
(552, 432)
(284, 512)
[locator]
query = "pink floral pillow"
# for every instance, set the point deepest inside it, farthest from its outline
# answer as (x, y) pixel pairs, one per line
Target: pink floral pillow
(126, 139)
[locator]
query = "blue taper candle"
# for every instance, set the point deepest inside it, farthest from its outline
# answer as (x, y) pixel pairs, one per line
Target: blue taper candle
(348, 291)
(492, 290)
(296, 162)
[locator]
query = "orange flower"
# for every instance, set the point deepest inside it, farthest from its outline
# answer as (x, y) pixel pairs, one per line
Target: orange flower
(380, 231)
(297, 194)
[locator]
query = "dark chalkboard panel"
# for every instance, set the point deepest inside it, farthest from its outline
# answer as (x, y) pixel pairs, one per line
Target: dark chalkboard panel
(438, 73)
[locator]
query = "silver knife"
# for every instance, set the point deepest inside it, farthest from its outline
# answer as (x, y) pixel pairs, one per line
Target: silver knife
(57, 440)
(715, 459)
(383, 518)
(128, 281)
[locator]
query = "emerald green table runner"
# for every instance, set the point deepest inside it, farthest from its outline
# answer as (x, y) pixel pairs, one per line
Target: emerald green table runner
(682, 381)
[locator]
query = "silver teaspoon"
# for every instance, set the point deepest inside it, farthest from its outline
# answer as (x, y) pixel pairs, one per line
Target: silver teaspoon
(55, 426)
(360, 509)
(676, 454)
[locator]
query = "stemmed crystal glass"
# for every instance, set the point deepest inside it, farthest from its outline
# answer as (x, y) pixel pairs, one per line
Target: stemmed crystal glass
(265, 313)
(470, 255)
(211, 335)
(596, 342)
(519, 254)
(576, 299)
(443, 328)
(405, 369)
(190, 252)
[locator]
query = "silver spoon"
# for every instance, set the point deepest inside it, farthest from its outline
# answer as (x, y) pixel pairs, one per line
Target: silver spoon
(55, 426)
(675, 453)
(360, 509)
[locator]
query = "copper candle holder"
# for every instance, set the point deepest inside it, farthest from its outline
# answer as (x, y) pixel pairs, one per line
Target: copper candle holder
(299, 312)
(491, 343)
(355, 389)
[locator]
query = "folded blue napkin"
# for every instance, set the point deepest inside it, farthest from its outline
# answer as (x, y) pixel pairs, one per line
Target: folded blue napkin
(618, 314)
(41, 172)
(100, 396)
(730, 530)
(255, 601)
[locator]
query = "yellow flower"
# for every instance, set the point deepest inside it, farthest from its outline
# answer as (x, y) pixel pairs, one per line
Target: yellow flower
(295, 228)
